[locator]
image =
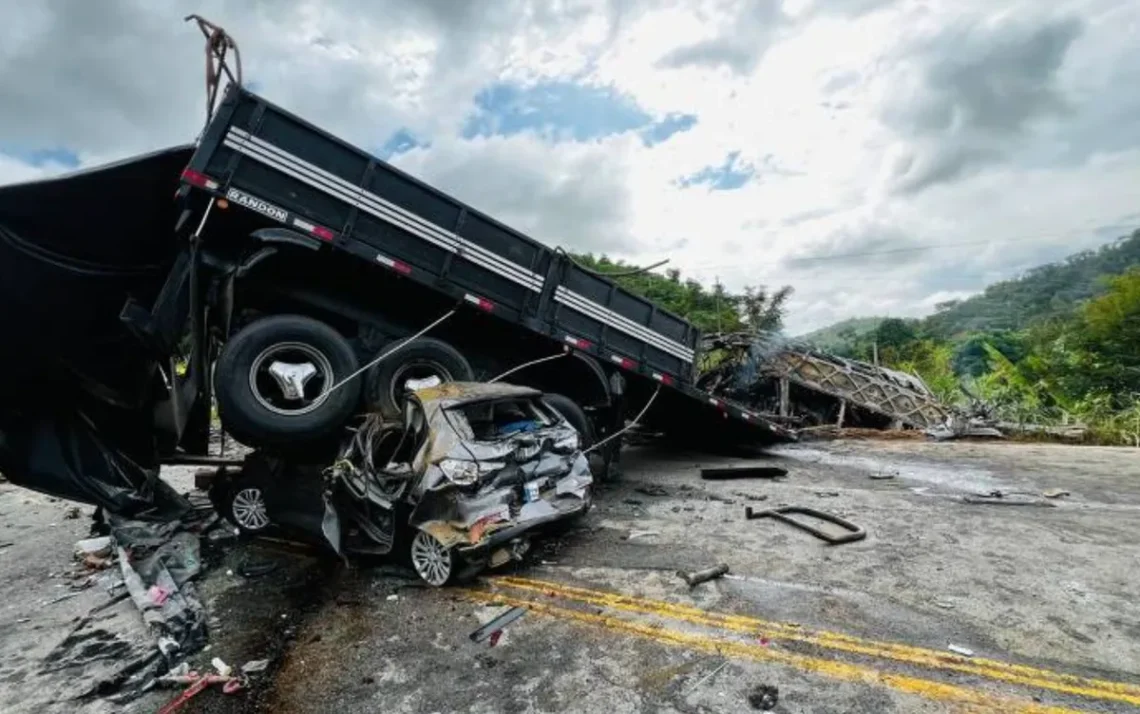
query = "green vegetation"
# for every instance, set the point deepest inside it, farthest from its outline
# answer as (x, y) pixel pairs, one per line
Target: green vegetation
(754, 309)
(1057, 345)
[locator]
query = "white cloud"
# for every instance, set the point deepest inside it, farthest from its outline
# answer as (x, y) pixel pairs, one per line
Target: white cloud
(870, 125)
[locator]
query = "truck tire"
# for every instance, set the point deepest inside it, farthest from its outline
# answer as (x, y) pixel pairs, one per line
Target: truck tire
(272, 379)
(418, 359)
(574, 414)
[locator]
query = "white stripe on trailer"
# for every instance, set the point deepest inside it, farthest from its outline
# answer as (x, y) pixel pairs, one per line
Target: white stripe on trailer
(609, 317)
(624, 323)
(354, 195)
(303, 225)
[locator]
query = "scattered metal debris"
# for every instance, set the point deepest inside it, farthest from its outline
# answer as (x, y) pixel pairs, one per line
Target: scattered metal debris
(826, 494)
(1001, 498)
(707, 677)
(723, 474)
(958, 649)
(701, 576)
(882, 475)
(854, 533)
(633, 535)
(1055, 493)
(497, 624)
(764, 697)
(254, 666)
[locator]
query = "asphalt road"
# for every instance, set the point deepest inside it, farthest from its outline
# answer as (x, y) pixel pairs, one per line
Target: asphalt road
(1042, 596)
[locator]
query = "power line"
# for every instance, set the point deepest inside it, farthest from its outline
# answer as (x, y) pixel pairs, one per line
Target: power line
(896, 251)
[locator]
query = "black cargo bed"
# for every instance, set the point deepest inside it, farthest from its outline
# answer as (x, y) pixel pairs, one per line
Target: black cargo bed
(267, 160)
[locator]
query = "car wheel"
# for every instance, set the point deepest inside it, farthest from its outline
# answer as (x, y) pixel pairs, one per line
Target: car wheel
(433, 561)
(273, 382)
(247, 509)
(419, 359)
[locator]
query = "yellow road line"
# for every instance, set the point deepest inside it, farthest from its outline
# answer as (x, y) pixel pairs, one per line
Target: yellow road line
(992, 669)
(974, 699)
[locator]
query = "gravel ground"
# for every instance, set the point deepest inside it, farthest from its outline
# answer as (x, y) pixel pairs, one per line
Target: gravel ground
(1044, 595)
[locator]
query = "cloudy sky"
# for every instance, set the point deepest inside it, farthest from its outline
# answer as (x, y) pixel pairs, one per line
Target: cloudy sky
(879, 156)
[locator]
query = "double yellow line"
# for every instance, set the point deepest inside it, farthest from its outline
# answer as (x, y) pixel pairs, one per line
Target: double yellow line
(755, 627)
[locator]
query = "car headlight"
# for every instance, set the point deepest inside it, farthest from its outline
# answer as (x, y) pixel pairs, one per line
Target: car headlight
(465, 473)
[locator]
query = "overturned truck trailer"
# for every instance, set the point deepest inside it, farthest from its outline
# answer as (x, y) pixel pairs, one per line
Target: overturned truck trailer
(299, 283)
(809, 387)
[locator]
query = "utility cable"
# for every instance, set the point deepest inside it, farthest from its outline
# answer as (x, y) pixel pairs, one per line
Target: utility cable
(384, 355)
(565, 351)
(629, 426)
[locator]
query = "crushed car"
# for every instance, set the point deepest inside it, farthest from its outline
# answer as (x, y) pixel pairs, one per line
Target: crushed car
(460, 484)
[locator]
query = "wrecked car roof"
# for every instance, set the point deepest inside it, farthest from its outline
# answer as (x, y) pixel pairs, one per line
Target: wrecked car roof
(451, 394)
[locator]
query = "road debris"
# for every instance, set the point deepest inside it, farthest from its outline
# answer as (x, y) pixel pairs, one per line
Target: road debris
(1055, 493)
(701, 576)
(826, 494)
(764, 697)
(652, 490)
(255, 666)
(633, 535)
(221, 667)
(7, 544)
(854, 532)
(256, 569)
(1001, 498)
(98, 547)
(72, 513)
(724, 474)
(707, 677)
(944, 604)
(882, 475)
(959, 649)
(489, 630)
(750, 496)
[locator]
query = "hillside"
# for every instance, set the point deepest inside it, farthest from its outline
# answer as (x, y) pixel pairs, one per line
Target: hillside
(1049, 290)
(835, 336)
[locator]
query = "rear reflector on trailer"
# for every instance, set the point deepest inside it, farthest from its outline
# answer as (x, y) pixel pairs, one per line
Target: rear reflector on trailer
(481, 303)
(578, 342)
(319, 231)
(717, 403)
(200, 180)
(663, 378)
(623, 362)
(401, 268)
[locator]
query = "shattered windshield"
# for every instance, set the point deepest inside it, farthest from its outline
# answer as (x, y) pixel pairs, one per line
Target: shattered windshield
(494, 420)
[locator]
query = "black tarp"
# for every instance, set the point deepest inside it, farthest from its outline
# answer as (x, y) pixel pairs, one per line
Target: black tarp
(77, 388)
(73, 249)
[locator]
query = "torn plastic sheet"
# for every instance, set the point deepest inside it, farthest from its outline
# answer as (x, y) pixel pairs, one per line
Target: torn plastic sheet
(159, 562)
(63, 453)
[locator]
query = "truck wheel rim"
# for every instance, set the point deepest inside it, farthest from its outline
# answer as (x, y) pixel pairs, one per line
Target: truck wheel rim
(268, 388)
(432, 559)
(249, 510)
(416, 369)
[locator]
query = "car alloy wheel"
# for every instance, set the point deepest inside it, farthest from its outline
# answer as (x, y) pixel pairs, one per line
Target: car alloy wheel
(248, 509)
(432, 560)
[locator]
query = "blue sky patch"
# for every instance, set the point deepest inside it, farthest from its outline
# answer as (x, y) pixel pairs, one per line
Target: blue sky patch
(42, 157)
(667, 127)
(563, 109)
(728, 176)
(400, 142)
